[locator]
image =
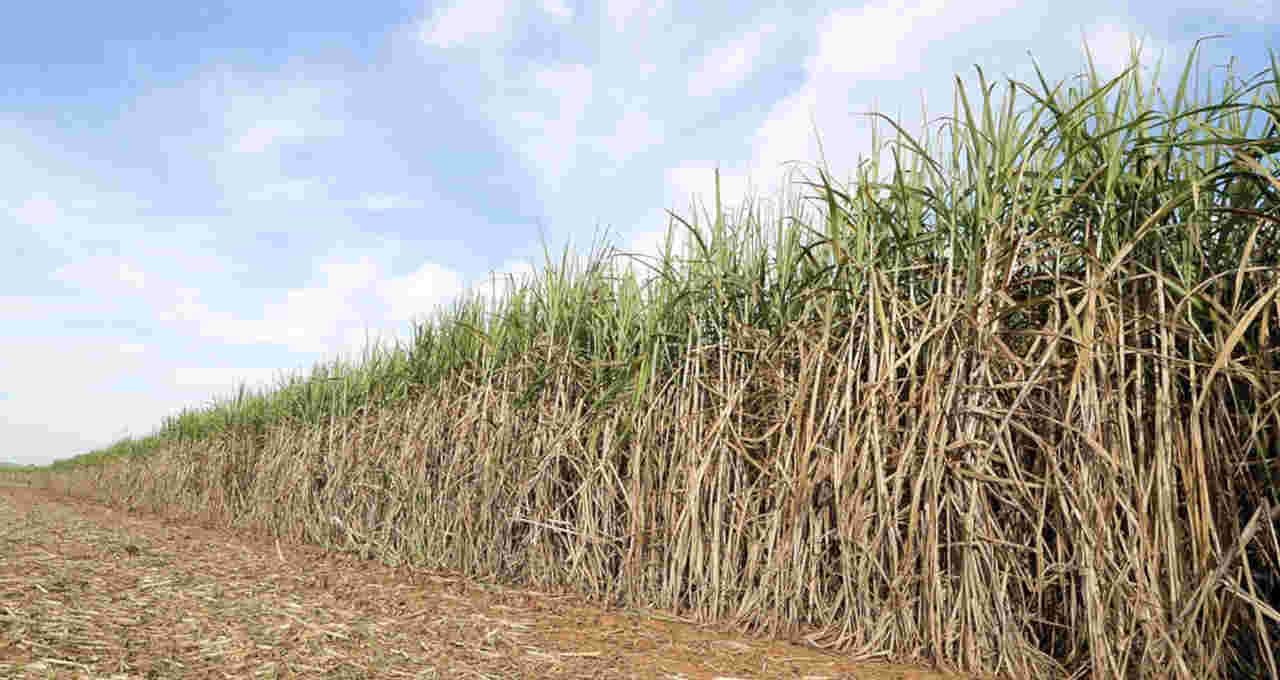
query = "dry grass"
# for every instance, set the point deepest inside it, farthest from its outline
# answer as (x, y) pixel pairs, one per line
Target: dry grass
(87, 592)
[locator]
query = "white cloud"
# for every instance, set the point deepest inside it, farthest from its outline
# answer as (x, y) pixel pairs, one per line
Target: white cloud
(874, 40)
(266, 134)
(633, 133)
(572, 82)
(623, 12)
(544, 125)
(417, 295)
(307, 319)
(132, 348)
(466, 21)
(379, 203)
(224, 381)
(557, 9)
(209, 322)
(1111, 45)
(85, 362)
(132, 276)
(289, 190)
(348, 277)
(358, 341)
(786, 135)
(262, 114)
(697, 183)
(37, 211)
(13, 307)
(264, 118)
(725, 67)
(888, 40)
(99, 275)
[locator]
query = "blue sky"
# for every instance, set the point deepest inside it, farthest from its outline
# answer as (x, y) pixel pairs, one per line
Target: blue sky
(195, 197)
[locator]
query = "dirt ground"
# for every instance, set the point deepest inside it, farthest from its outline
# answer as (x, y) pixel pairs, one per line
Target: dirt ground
(91, 592)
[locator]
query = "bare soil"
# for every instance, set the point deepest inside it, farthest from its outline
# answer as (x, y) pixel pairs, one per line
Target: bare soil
(87, 591)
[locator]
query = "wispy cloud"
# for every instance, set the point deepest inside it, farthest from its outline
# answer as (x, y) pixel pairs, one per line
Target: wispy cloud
(624, 14)
(726, 67)
(103, 275)
(463, 23)
(36, 211)
(543, 118)
(380, 202)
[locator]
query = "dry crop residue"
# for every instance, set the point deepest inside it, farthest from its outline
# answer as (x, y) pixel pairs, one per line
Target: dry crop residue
(91, 592)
